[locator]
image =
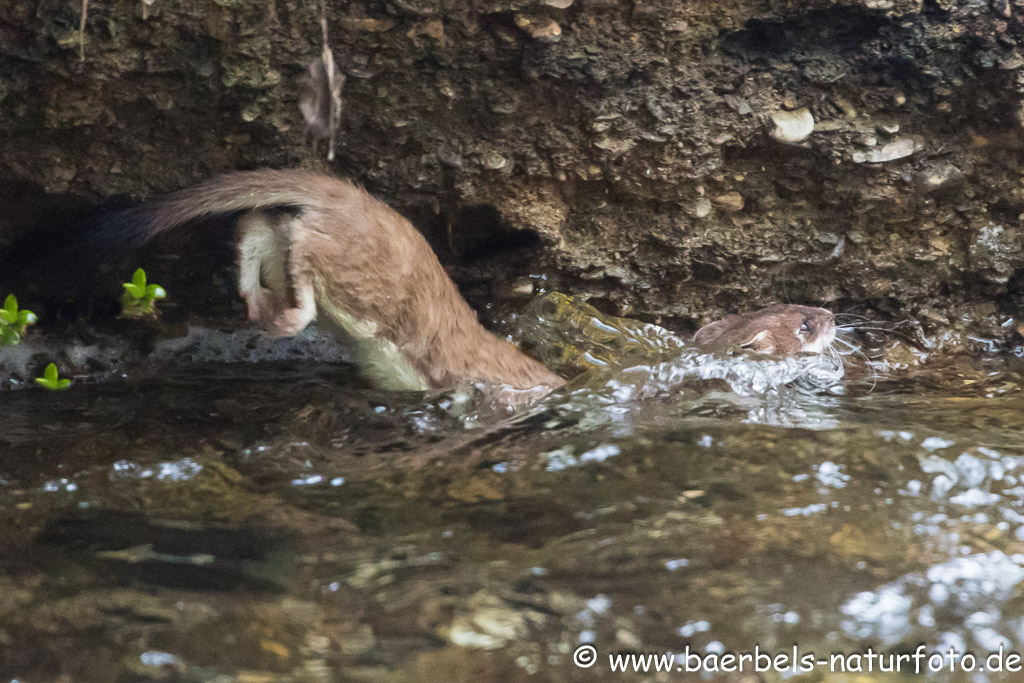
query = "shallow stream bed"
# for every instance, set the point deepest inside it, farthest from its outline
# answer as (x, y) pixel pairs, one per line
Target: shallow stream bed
(274, 519)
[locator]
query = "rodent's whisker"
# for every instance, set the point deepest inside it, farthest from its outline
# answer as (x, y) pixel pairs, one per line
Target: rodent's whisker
(853, 349)
(856, 350)
(846, 342)
(858, 328)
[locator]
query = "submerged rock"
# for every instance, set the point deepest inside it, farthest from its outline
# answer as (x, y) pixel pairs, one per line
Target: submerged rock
(490, 623)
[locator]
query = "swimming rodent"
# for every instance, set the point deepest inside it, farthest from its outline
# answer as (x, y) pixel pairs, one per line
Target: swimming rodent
(346, 256)
(783, 329)
(339, 253)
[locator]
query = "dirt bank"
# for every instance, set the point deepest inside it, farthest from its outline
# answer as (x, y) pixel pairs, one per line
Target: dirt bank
(660, 151)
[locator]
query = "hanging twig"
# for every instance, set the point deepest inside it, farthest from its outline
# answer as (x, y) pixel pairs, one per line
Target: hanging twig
(81, 30)
(320, 102)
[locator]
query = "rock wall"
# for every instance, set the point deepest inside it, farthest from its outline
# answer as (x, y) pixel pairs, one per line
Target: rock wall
(659, 149)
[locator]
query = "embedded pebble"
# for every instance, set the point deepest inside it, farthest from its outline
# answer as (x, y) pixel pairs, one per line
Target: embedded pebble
(887, 128)
(936, 178)
(367, 24)
(616, 146)
(792, 126)
(540, 29)
(701, 208)
(730, 201)
(892, 151)
(522, 287)
(504, 106)
(493, 161)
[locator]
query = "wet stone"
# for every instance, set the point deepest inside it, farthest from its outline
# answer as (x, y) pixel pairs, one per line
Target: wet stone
(490, 623)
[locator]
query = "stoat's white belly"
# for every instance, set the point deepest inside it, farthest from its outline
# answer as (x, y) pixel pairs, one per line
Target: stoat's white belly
(380, 359)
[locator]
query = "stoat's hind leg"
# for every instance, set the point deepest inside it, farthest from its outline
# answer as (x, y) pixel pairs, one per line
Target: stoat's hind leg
(292, 320)
(263, 266)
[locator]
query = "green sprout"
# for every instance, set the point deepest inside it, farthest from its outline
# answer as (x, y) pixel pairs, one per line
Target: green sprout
(13, 322)
(51, 380)
(138, 298)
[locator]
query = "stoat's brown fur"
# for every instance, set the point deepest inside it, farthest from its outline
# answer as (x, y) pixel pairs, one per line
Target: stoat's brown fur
(352, 259)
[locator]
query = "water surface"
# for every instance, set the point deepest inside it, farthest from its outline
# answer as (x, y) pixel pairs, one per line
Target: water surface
(216, 509)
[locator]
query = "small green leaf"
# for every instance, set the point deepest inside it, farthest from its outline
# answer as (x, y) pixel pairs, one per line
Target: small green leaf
(11, 303)
(51, 380)
(27, 318)
(9, 337)
(136, 291)
(7, 317)
(138, 298)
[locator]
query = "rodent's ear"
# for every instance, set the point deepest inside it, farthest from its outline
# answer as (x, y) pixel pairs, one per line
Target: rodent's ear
(759, 342)
(707, 333)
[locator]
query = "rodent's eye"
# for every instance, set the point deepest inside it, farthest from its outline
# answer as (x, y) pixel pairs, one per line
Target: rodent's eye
(806, 325)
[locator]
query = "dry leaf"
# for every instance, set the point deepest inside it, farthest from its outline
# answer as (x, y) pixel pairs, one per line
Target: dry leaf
(320, 102)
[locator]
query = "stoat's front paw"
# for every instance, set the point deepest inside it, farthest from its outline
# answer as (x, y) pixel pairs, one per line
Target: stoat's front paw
(265, 307)
(289, 323)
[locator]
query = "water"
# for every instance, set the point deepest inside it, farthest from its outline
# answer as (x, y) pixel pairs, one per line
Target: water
(220, 509)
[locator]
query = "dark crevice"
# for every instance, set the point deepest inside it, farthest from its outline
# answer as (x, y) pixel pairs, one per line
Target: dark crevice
(1011, 302)
(471, 232)
(478, 231)
(933, 9)
(826, 31)
(47, 264)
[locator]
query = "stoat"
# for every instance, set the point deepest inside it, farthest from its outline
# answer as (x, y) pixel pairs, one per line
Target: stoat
(343, 255)
(338, 253)
(782, 329)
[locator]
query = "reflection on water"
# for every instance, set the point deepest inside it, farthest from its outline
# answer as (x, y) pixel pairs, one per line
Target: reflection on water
(188, 518)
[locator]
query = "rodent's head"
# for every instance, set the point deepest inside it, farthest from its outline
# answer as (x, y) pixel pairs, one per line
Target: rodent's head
(782, 329)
